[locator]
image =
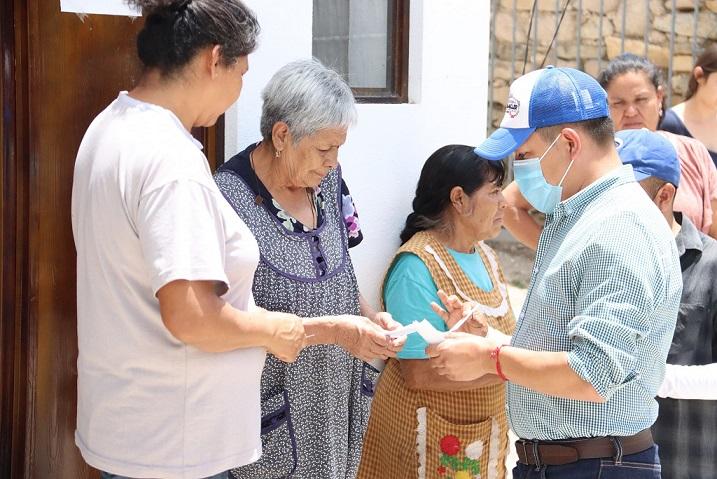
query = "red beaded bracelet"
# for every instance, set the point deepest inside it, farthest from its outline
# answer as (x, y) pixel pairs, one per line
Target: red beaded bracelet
(495, 356)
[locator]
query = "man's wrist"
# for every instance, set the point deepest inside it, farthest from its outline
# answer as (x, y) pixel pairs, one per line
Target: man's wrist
(495, 356)
(483, 349)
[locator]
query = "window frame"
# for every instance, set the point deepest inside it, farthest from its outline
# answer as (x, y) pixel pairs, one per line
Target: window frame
(396, 56)
(398, 48)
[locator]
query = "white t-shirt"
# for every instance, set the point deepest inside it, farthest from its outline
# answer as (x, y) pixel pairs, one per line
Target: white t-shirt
(145, 212)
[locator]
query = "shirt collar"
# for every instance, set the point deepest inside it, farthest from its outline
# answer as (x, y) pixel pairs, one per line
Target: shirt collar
(689, 237)
(614, 178)
(124, 97)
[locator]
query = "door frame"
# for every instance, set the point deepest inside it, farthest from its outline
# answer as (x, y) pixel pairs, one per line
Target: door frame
(16, 344)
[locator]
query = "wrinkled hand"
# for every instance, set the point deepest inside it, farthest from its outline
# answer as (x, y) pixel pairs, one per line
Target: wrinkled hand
(455, 310)
(287, 336)
(364, 339)
(461, 357)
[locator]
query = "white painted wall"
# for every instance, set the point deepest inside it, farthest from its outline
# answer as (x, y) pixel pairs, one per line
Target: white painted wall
(384, 153)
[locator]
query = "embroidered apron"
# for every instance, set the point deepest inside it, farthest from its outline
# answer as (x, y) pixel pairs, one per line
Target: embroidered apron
(430, 434)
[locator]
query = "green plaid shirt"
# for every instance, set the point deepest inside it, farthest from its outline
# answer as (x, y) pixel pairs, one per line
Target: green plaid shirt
(606, 288)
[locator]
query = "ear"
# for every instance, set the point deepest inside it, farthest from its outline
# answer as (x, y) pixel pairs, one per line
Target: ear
(665, 197)
(214, 57)
(280, 135)
(699, 74)
(660, 94)
(456, 195)
(573, 142)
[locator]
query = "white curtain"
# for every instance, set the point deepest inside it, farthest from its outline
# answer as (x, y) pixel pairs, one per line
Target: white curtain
(351, 36)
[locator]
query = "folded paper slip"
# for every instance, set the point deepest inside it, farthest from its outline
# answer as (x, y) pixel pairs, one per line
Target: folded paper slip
(430, 334)
(425, 329)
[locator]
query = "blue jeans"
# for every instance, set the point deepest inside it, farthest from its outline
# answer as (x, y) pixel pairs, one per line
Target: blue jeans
(643, 465)
(107, 475)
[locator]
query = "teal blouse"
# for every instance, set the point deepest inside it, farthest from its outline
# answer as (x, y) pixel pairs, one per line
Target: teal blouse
(410, 289)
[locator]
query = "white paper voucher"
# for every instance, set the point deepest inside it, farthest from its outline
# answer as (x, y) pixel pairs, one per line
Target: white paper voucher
(429, 333)
(102, 7)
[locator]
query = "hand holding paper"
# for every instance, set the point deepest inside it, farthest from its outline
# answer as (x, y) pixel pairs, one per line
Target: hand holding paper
(462, 357)
(471, 321)
(461, 316)
(365, 339)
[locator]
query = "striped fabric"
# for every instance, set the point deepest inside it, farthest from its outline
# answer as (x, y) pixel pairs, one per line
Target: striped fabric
(409, 431)
(606, 288)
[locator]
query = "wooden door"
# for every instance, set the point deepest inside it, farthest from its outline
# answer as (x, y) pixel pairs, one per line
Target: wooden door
(58, 72)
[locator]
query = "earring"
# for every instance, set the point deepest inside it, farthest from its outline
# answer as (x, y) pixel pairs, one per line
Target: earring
(277, 153)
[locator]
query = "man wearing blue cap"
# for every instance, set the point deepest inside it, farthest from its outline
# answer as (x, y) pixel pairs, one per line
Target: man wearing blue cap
(589, 348)
(685, 428)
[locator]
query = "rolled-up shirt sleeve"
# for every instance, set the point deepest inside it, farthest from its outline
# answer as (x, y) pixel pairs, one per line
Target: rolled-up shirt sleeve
(616, 297)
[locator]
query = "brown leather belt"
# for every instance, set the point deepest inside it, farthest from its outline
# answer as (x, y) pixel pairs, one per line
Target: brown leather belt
(557, 453)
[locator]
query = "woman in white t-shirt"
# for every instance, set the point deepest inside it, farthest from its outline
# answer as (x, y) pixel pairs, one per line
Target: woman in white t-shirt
(171, 344)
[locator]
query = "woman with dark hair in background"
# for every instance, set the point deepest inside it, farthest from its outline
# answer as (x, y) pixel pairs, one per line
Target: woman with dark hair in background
(171, 344)
(636, 99)
(635, 93)
(421, 424)
(696, 117)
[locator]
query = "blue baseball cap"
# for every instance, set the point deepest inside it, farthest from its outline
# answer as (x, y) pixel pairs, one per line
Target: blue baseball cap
(547, 97)
(649, 153)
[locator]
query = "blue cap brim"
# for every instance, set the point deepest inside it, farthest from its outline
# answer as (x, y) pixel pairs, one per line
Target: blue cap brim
(502, 143)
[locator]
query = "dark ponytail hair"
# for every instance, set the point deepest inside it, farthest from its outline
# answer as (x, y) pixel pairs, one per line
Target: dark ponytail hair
(629, 62)
(175, 31)
(708, 62)
(446, 168)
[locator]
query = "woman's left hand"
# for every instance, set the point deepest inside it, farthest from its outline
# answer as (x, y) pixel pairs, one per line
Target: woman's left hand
(455, 310)
(386, 321)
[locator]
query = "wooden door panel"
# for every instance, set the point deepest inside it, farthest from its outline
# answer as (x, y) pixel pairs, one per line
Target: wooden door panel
(76, 68)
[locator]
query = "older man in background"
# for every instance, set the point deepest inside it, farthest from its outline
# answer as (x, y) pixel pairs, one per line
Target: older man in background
(685, 427)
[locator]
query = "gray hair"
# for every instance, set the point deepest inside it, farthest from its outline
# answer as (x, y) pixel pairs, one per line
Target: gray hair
(308, 97)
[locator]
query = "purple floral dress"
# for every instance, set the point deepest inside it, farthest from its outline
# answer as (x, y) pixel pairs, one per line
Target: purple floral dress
(241, 165)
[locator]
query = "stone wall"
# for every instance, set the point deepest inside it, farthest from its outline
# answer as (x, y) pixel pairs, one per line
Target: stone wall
(655, 19)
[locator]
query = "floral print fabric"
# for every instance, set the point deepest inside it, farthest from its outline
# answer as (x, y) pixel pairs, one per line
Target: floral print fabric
(351, 219)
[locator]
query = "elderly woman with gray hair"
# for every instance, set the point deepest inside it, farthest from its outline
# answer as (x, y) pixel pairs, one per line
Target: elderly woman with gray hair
(288, 189)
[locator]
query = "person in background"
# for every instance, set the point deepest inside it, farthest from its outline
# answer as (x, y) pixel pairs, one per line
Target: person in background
(289, 191)
(635, 95)
(685, 427)
(587, 356)
(696, 117)
(455, 428)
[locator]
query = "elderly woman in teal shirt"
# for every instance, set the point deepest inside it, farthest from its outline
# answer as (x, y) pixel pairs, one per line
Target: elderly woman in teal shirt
(455, 428)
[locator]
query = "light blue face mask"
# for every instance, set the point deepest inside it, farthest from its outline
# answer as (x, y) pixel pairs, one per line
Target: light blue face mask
(533, 186)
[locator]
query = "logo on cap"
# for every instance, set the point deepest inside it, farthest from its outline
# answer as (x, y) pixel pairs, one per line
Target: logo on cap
(512, 107)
